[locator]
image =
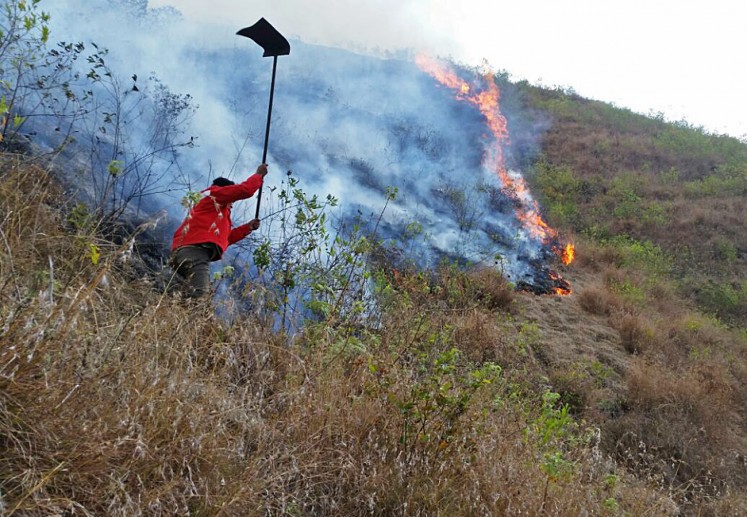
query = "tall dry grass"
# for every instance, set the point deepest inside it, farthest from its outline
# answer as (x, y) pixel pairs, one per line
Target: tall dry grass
(117, 399)
(679, 421)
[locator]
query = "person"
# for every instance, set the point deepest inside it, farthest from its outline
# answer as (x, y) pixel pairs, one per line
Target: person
(207, 231)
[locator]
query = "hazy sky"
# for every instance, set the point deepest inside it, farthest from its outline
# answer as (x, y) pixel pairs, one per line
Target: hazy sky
(680, 57)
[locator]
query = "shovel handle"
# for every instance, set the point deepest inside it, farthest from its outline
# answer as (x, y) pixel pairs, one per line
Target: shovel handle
(267, 129)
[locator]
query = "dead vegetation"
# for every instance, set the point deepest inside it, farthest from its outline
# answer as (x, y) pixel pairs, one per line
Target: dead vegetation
(463, 398)
(116, 399)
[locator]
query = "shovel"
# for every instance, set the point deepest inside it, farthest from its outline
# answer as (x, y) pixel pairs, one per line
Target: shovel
(274, 45)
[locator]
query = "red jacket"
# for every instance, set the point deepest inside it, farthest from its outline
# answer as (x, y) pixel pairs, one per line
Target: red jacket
(210, 219)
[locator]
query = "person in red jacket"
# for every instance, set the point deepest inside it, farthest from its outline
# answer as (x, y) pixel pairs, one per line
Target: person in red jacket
(207, 231)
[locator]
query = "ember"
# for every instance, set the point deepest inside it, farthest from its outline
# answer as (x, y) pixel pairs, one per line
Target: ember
(544, 281)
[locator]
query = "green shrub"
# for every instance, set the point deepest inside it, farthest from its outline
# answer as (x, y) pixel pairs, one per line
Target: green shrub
(727, 301)
(642, 255)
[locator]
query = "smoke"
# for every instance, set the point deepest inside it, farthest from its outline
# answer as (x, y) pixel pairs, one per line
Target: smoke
(344, 124)
(359, 25)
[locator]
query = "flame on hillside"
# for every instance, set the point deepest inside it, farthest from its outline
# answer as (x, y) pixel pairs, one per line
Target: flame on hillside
(566, 253)
(560, 286)
(487, 99)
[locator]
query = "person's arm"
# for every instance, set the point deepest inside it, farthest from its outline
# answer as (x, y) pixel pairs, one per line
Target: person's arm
(243, 190)
(242, 231)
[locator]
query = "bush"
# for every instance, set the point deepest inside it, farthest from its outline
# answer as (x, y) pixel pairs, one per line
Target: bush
(597, 301)
(726, 301)
(635, 332)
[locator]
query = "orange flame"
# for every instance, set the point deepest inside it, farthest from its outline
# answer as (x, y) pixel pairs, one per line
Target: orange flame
(564, 289)
(487, 101)
(568, 254)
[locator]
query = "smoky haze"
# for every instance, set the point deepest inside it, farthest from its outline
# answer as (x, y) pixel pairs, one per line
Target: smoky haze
(345, 124)
(360, 25)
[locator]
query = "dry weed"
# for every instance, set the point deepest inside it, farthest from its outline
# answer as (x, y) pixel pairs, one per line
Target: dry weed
(117, 399)
(636, 332)
(597, 301)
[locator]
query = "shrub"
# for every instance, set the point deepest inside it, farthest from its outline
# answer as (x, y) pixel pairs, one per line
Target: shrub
(724, 300)
(491, 289)
(597, 301)
(480, 287)
(635, 332)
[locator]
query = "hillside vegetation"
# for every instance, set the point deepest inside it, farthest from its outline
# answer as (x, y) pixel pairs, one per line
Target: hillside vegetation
(118, 399)
(460, 397)
(389, 390)
(615, 177)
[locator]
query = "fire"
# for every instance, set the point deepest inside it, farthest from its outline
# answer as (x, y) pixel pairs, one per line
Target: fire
(562, 287)
(568, 254)
(487, 100)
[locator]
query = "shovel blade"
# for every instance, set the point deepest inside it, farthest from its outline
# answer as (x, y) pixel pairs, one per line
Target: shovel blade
(267, 37)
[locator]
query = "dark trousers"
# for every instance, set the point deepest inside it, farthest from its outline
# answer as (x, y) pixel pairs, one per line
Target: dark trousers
(192, 265)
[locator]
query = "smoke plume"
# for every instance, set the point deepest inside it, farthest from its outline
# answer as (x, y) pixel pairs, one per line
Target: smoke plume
(345, 124)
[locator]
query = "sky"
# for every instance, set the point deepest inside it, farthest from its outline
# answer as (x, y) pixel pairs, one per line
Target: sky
(680, 58)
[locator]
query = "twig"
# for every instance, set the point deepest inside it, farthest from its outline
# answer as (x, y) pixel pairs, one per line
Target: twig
(39, 485)
(12, 267)
(51, 280)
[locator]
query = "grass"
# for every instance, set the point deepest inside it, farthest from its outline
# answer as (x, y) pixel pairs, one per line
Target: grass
(117, 399)
(462, 398)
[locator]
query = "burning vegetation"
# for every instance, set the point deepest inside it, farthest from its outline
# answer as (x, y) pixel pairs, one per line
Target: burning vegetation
(486, 97)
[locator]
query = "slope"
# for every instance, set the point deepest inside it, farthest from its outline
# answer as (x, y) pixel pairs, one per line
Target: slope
(651, 344)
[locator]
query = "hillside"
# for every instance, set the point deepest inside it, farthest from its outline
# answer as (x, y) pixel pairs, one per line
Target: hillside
(608, 174)
(356, 359)
(658, 214)
(119, 399)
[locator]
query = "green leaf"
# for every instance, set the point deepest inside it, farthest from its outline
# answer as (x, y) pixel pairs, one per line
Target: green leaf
(115, 168)
(190, 199)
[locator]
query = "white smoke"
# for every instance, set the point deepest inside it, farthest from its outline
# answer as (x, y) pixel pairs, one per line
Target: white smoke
(346, 125)
(358, 25)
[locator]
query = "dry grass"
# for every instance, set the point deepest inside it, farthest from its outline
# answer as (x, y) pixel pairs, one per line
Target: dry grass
(597, 300)
(677, 420)
(680, 422)
(636, 335)
(683, 429)
(116, 399)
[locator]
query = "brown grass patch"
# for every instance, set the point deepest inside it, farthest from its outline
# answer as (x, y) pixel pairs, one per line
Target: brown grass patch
(681, 428)
(636, 333)
(595, 257)
(597, 301)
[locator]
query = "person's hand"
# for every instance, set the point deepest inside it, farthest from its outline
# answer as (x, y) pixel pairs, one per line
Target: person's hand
(262, 170)
(253, 224)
